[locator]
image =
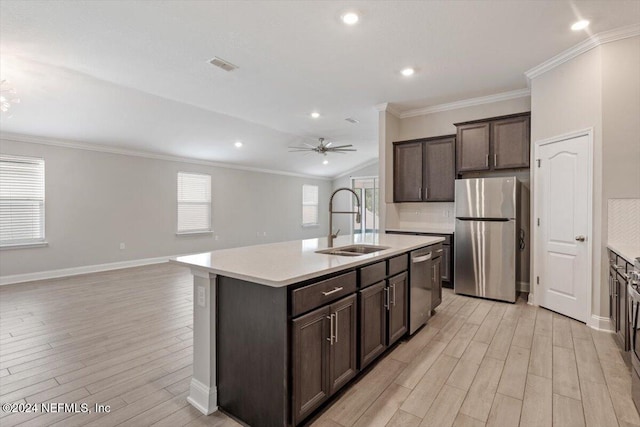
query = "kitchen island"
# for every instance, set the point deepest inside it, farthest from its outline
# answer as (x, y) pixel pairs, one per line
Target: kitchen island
(279, 328)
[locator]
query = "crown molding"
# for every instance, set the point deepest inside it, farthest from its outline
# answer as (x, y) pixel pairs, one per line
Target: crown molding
(503, 96)
(147, 155)
(585, 46)
(385, 106)
(363, 165)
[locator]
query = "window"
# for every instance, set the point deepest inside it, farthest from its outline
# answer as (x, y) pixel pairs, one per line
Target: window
(21, 200)
(194, 203)
(309, 205)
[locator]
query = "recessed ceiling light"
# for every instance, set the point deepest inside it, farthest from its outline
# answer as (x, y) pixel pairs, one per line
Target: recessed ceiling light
(325, 162)
(315, 115)
(408, 72)
(238, 144)
(580, 25)
(350, 18)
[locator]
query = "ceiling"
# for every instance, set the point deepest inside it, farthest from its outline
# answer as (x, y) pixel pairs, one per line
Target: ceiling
(135, 74)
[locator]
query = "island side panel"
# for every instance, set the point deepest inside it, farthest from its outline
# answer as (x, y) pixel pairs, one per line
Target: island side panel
(252, 352)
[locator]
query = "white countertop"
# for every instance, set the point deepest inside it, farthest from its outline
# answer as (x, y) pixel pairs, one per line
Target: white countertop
(426, 229)
(285, 263)
(626, 251)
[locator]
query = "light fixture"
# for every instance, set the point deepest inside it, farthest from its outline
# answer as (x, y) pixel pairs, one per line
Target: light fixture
(315, 115)
(7, 98)
(580, 25)
(350, 18)
(323, 148)
(325, 162)
(238, 144)
(407, 72)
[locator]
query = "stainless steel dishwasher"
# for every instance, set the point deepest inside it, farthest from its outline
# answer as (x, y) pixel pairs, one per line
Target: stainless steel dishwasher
(419, 288)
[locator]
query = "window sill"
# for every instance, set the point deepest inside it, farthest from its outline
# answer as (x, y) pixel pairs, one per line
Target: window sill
(24, 245)
(195, 233)
(310, 225)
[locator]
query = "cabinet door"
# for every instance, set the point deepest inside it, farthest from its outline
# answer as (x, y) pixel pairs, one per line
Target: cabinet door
(615, 315)
(446, 263)
(511, 143)
(623, 330)
(373, 322)
(398, 304)
(472, 147)
(342, 349)
(407, 172)
(440, 170)
(310, 367)
(436, 277)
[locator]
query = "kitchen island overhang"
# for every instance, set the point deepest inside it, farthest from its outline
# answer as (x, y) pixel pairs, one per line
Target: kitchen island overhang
(242, 304)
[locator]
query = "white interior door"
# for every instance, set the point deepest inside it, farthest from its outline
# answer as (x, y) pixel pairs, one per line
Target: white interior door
(562, 207)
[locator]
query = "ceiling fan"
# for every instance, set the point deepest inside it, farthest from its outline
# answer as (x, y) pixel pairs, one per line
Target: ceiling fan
(323, 148)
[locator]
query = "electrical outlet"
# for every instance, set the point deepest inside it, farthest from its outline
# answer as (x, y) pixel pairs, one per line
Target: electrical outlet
(122, 246)
(201, 296)
(216, 237)
(264, 234)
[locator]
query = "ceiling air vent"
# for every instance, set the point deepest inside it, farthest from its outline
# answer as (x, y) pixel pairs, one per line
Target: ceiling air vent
(352, 120)
(221, 63)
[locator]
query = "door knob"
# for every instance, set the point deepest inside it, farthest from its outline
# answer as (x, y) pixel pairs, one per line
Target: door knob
(581, 238)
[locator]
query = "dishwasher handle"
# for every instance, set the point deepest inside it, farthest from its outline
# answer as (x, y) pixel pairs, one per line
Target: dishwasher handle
(423, 258)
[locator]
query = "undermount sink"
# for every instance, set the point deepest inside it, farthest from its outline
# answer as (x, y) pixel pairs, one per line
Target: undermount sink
(353, 250)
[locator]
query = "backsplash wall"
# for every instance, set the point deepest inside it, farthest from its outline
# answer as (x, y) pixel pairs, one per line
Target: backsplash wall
(417, 215)
(623, 222)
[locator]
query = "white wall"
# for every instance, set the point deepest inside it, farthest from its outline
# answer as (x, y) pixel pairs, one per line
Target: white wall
(598, 89)
(96, 200)
(342, 200)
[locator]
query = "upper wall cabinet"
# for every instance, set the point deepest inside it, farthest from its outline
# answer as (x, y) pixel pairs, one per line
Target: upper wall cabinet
(424, 170)
(493, 144)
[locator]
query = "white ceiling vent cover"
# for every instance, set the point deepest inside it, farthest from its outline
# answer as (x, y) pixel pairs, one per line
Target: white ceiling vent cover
(221, 63)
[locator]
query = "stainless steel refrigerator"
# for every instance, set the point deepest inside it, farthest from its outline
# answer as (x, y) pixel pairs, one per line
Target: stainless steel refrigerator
(485, 237)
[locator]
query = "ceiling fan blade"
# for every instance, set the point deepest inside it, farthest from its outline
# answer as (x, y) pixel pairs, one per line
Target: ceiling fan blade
(342, 146)
(309, 145)
(343, 150)
(329, 144)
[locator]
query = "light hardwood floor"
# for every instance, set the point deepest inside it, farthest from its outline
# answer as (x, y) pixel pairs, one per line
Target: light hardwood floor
(124, 339)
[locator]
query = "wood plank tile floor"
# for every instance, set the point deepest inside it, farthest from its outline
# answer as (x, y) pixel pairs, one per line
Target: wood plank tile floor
(123, 338)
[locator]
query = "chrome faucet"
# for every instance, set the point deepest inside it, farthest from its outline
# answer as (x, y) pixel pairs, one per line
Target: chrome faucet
(331, 212)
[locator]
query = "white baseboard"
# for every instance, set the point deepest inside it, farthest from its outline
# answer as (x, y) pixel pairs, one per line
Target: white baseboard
(203, 398)
(522, 286)
(74, 271)
(600, 323)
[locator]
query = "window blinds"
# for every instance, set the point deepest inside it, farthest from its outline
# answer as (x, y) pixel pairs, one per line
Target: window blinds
(21, 200)
(194, 202)
(309, 205)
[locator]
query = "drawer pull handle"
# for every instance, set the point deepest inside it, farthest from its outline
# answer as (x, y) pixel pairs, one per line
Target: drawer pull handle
(332, 291)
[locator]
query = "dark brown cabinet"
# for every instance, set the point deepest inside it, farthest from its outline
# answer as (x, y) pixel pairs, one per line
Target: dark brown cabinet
(384, 311)
(493, 144)
(618, 299)
(324, 354)
(373, 322)
(310, 361)
(436, 279)
(424, 170)
(407, 172)
(472, 147)
(397, 296)
(342, 349)
(511, 143)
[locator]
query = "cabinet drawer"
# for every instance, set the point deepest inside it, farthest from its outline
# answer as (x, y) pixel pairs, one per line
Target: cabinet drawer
(398, 264)
(373, 274)
(437, 250)
(320, 293)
